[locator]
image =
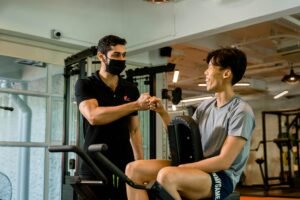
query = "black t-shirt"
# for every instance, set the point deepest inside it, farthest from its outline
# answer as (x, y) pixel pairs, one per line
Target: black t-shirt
(114, 134)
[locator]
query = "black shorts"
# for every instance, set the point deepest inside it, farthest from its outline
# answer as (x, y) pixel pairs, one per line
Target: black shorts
(221, 185)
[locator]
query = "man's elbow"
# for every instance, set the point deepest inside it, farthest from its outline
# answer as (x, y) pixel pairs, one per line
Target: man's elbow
(92, 120)
(225, 164)
(134, 132)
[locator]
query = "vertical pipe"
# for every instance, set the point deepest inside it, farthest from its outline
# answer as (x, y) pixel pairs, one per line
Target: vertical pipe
(64, 162)
(280, 149)
(266, 182)
(297, 142)
(25, 131)
(79, 125)
(289, 152)
(152, 134)
(48, 130)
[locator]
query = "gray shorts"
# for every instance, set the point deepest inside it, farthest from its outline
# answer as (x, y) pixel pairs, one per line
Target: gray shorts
(221, 185)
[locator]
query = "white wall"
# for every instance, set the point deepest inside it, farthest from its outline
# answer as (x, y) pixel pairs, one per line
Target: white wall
(144, 25)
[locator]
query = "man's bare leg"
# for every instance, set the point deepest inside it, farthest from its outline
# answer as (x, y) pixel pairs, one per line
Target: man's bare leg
(142, 172)
(190, 183)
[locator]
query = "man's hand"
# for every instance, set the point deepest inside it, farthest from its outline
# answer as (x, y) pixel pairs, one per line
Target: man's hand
(156, 104)
(143, 101)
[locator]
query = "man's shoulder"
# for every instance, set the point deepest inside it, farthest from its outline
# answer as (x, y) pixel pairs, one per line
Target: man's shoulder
(242, 104)
(124, 82)
(86, 79)
(207, 102)
(205, 106)
(83, 81)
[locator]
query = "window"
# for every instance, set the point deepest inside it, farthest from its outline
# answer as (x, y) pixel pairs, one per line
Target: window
(31, 119)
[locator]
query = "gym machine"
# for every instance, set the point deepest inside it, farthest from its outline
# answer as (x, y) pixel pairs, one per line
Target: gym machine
(287, 138)
(183, 133)
(182, 124)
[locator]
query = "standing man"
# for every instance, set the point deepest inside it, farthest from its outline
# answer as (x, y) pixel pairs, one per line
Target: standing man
(109, 105)
(225, 122)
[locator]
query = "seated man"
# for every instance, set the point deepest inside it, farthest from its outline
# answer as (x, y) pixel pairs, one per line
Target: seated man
(226, 123)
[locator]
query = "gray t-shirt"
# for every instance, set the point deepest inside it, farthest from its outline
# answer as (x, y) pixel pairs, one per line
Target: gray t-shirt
(235, 118)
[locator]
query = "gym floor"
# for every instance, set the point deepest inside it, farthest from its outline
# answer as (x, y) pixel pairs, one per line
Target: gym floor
(266, 198)
(252, 193)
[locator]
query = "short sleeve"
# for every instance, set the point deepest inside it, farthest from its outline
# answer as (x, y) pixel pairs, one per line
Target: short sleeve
(242, 123)
(135, 94)
(83, 90)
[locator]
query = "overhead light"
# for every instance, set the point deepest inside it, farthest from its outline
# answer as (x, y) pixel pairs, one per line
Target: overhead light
(175, 76)
(280, 94)
(174, 107)
(202, 84)
(187, 102)
(242, 84)
(291, 78)
(195, 99)
(237, 84)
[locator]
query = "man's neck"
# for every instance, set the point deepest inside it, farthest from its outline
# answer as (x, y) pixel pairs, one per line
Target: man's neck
(224, 96)
(110, 80)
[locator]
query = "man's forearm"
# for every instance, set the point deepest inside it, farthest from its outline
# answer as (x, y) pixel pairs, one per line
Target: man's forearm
(137, 145)
(104, 115)
(165, 117)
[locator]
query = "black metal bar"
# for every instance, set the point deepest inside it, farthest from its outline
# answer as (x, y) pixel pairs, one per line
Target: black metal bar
(90, 163)
(7, 108)
(152, 135)
(280, 146)
(158, 192)
(79, 127)
(290, 151)
(297, 137)
(81, 56)
(264, 140)
(96, 149)
(150, 70)
(65, 137)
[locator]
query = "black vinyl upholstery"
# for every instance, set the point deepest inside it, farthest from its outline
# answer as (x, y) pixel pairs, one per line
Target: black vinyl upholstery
(185, 144)
(184, 140)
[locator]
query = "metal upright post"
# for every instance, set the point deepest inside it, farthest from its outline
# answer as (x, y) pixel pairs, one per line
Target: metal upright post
(152, 119)
(280, 146)
(264, 140)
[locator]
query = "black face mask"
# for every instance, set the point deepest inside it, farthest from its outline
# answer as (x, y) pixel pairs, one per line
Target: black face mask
(115, 67)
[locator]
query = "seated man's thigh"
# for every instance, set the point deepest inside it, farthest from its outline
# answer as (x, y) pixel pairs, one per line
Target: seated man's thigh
(145, 170)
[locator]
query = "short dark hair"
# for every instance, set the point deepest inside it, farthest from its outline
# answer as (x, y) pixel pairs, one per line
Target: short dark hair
(105, 43)
(229, 57)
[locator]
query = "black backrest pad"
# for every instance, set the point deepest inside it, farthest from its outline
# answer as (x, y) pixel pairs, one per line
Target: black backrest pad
(184, 140)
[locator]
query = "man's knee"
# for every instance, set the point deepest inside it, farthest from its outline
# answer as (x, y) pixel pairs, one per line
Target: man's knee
(133, 169)
(130, 168)
(166, 176)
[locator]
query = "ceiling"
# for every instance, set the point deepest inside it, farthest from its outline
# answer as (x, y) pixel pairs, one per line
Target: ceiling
(271, 47)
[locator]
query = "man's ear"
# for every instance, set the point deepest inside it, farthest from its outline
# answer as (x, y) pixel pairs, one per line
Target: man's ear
(227, 73)
(100, 56)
